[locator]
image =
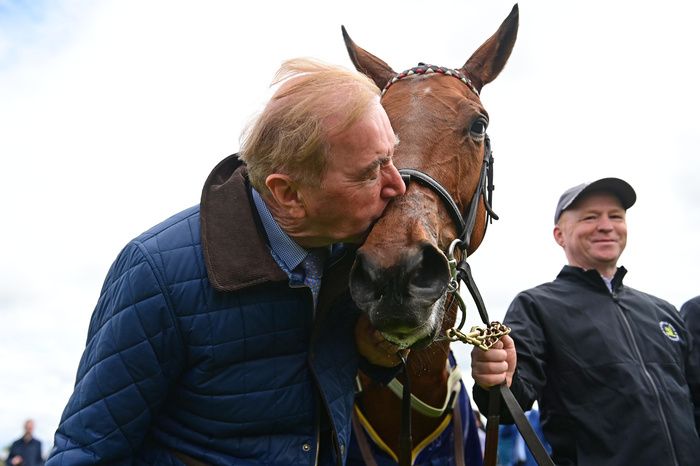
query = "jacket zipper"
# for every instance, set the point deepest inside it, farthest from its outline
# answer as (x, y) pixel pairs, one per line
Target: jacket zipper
(662, 415)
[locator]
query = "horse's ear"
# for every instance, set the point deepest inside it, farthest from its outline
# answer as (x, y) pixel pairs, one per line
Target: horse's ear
(487, 62)
(368, 64)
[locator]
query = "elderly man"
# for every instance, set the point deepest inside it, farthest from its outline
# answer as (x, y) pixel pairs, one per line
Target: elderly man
(608, 364)
(225, 335)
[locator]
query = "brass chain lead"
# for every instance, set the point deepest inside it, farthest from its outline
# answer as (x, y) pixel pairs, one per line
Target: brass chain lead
(483, 338)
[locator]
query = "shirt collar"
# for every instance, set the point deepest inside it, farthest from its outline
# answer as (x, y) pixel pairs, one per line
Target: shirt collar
(608, 282)
(284, 248)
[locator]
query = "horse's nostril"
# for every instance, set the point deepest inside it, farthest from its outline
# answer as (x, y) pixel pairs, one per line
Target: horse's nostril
(429, 275)
(363, 280)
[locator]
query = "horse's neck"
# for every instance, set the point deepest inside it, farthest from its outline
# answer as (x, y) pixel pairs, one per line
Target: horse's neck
(428, 378)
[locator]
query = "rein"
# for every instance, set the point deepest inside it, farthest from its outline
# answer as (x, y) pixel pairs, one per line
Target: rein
(461, 272)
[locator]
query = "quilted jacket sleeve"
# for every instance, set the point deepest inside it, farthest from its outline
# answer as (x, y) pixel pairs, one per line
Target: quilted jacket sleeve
(132, 355)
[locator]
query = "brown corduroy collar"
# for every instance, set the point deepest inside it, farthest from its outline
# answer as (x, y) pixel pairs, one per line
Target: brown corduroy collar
(233, 240)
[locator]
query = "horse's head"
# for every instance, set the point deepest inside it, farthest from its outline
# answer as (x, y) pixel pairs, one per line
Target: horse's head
(401, 273)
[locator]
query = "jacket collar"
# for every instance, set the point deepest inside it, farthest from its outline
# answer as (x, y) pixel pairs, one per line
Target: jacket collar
(234, 243)
(592, 276)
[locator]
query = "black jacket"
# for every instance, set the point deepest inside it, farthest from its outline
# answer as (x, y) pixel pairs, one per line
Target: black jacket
(690, 311)
(610, 371)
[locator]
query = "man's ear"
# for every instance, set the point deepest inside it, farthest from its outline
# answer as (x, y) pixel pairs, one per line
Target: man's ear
(285, 194)
(558, 235)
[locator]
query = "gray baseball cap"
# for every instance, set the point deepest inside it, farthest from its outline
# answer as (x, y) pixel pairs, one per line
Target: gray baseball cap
(615, 186)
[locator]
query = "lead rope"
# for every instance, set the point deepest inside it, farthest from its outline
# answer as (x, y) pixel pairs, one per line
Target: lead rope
(484, 339)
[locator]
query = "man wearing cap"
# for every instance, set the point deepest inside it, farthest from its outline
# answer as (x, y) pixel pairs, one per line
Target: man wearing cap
(608, 364)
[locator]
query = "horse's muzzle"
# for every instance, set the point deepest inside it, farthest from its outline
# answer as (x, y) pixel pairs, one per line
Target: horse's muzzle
(401, 299)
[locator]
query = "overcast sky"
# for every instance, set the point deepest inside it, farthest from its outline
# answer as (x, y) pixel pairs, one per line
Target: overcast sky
(113, 112)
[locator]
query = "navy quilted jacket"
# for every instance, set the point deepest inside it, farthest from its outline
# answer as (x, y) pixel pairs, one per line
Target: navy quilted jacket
(199, 348)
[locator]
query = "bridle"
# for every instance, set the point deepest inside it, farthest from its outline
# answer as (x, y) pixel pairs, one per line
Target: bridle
(461, 273)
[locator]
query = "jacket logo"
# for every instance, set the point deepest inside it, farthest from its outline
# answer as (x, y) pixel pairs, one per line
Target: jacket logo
(669, 331)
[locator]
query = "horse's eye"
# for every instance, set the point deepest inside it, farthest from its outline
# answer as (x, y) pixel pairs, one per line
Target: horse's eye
(478, 128)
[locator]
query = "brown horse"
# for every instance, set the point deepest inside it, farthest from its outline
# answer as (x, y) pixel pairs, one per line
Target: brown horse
(401, 274)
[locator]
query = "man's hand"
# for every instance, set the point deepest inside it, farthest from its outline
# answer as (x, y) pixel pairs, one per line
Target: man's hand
(373, 346)
(496, 365)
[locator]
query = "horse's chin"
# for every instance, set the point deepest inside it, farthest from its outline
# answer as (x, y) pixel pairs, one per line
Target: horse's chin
(415, 342)
(403, 342)
(415, 345)
(422, 336)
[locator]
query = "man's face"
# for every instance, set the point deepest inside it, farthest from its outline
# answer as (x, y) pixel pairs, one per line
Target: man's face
(593, 233)
(359, 182)
(29, 427)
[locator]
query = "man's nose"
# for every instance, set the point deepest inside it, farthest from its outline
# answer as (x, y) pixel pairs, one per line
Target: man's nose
(394, 185)
(604, 223)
